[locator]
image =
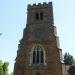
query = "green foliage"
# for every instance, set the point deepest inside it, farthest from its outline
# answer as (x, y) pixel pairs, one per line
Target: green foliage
(68, 59)
(3, 68)
(1, 63)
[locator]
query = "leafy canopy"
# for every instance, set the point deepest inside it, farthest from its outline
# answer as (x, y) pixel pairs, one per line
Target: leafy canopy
(68, 59)
(3, 68)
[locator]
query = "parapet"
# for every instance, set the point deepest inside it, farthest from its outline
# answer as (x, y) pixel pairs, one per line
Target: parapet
(40, 5)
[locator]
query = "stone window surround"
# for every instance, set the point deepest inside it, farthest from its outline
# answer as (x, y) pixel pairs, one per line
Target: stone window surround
(31, 56)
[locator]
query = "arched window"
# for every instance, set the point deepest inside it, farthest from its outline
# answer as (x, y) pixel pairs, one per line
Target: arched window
(38, 55)
(39, 16)
(37, 73)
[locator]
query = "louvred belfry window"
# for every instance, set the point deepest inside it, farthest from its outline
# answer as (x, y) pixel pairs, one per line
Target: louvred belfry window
(39, 16)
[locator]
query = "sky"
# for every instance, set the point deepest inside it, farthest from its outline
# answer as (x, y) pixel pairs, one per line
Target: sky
(13, 15)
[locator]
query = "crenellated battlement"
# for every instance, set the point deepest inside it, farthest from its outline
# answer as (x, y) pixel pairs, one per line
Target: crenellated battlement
(40, 5)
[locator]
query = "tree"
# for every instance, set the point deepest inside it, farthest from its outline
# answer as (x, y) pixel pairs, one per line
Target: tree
(3, 68)
(68, 59)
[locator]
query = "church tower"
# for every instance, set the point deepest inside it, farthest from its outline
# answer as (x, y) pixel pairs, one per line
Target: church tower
(38, 52)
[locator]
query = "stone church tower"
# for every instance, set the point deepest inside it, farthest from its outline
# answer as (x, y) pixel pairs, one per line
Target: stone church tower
(38, 52)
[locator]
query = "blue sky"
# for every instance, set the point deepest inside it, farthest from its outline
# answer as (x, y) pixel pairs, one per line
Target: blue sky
(13, 15)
